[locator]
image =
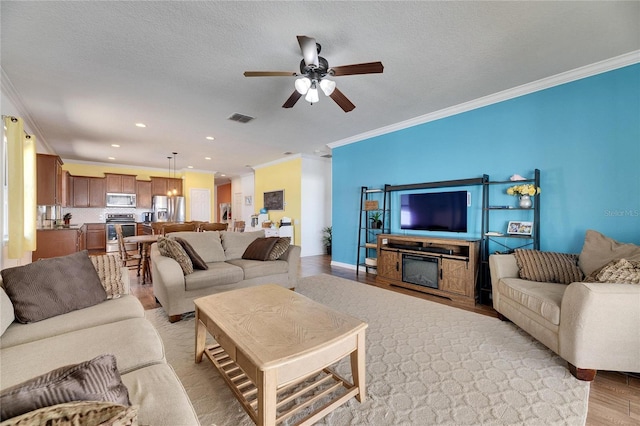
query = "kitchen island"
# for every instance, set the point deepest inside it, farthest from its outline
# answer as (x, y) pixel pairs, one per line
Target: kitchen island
(59, 240)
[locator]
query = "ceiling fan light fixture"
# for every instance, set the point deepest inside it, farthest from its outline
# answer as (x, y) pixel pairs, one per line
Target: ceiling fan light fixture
(302, 85)
(327, 86)
(312, 95)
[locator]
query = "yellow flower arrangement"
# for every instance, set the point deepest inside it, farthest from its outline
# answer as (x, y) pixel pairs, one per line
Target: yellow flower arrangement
(525, 189)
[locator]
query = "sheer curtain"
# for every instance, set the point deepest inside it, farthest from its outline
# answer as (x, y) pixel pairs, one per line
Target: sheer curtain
(21, 176)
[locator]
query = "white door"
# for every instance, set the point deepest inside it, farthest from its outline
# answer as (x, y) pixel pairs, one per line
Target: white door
(200, 204)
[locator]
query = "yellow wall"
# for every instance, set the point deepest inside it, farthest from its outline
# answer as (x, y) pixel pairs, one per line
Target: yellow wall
(287, 176)
(199, 180)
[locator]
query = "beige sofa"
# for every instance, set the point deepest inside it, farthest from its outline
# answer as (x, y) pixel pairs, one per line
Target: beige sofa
(116, 326)
(222, 252)
(592, 325)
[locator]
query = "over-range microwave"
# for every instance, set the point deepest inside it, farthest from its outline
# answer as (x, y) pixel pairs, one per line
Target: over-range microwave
(121, 200)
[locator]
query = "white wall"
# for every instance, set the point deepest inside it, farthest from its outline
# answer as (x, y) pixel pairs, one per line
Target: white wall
(244, 186)
(316, 203)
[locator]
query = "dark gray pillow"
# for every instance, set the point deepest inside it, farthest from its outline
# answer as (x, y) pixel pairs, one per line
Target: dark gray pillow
(94, 380)
(55, 286)
(260, 248)
(196, 260)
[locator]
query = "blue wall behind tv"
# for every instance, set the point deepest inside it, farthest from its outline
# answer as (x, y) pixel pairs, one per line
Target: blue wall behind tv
(584, 136)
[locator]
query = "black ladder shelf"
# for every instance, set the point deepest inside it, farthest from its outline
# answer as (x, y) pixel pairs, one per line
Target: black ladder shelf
(374, 202)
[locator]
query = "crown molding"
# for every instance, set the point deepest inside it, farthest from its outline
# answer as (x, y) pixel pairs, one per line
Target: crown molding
(278, 161)
(12, 94)
(611, 64)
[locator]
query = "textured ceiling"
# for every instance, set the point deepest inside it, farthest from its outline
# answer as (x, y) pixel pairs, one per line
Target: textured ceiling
(87, 71)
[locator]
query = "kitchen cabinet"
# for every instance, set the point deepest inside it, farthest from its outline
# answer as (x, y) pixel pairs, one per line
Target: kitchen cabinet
(58, 242)
(66, 189)
(160, 185)
(143, 194)
(120, 184)
(48, 180)
(96, 238)
(88, 191)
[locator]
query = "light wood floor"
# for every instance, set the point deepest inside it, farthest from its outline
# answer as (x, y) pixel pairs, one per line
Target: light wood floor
(614, 398)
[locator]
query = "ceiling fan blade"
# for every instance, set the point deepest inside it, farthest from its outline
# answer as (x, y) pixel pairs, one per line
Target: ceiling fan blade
(342, 100)
(366, 68)
(309, 50)
(292, 99)
(269, 74)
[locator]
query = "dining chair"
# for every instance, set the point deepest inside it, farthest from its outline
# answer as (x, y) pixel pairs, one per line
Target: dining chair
(238, 226)
(127, 256)
(213, 227)
(178, 227)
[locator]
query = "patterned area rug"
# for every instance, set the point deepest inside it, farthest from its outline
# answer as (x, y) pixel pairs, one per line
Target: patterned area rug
(427, 363)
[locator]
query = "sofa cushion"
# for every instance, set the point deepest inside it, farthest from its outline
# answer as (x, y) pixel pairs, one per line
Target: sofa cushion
(617, 271)
(95, 380)
(257, 268)
(206, 244)
(196, 260)
(544, 299)
(219, 273)
(134, 343)
(78, 413)
(108, 267)
(280, 248)
(260, 248)
(54, 286)
(235, 243)
(6, 311)
(598, 250)
(124, 307)
(171, 248)
(545, 266)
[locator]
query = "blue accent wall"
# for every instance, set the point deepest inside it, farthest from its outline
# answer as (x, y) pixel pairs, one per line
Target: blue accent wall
(584, 136)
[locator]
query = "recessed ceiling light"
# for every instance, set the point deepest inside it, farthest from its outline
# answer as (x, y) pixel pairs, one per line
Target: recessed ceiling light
(189, 167)
(115, 145)
(209, 138)
(288, 153)
(141, 125)
(112, 158)
(222, 174)
(207, 158)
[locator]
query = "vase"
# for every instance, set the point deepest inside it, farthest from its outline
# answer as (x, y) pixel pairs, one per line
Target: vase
(525, 202)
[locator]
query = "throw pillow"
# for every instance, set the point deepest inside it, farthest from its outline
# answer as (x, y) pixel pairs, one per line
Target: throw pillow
(235, 243)
(544, 266)
(197, 261)
(279, 248)
(108, 267)
(54, 286)
(260, 249)
(94, 380)
(617, 271)
(78, 413)
(598, 250)
(172, 249)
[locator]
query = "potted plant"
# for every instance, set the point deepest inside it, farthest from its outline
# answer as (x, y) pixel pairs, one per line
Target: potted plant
(376, 222)
(326, 239)
(67, 218)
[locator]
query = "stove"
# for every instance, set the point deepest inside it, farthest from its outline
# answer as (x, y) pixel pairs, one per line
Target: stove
(128, 223)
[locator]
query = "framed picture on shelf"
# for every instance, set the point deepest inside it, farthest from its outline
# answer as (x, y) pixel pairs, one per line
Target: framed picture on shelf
(519, 228)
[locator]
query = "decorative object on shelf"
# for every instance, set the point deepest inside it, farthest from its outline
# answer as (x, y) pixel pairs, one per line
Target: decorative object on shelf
(371, 205)
(67, 218)
(326, 239)
(516, 177)
(376, 223)
(519, 228)
(525, 192)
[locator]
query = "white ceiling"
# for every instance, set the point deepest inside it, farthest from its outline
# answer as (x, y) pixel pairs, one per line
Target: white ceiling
(87, 71)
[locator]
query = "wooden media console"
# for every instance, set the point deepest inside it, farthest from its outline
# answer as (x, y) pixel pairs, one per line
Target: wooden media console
(444, 267)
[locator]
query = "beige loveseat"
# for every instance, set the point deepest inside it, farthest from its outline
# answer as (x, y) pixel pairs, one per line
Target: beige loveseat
(222, 251)
(115, 326)
(592, 325)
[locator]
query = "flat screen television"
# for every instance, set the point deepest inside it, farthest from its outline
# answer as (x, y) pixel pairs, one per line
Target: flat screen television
(434, 211)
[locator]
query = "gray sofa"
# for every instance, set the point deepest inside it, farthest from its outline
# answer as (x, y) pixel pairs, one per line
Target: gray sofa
(116, 326)
(592, 325)
(222, 252)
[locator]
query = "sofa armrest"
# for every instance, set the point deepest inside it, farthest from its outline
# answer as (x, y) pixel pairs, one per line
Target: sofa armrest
(600, 326)
(503, 266)
(292, 256)
(168, 279)
(126, 281)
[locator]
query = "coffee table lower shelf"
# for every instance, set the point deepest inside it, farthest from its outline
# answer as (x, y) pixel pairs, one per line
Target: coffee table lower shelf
(324, 388)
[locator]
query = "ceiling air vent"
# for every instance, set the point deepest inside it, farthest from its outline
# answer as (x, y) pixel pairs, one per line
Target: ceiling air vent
(326, 156)
(240, 118)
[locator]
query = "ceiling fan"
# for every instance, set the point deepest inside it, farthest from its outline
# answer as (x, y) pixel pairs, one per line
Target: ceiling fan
(314, 70)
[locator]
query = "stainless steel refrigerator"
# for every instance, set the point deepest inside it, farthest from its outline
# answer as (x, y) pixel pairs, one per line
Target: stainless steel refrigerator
(169, 209)
(160, 206)
(177, 209)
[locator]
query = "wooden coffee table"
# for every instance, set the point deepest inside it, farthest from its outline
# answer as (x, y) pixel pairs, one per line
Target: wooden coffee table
(274, 347)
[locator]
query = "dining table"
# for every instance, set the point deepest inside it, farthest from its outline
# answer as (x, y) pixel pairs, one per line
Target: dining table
(144, 245)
